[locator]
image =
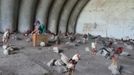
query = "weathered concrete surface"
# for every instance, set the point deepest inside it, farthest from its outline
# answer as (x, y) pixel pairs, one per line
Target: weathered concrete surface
(54, 15)
(112, 18)
(29, 60)
(7, 15)
(20, 65)
(74, 15)
(42, 10)
(26, 15)
(65, 15)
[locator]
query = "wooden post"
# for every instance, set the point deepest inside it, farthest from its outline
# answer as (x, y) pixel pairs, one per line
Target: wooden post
(34, 39)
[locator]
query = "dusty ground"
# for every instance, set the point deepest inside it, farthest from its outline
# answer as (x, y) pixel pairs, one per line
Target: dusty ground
(32, 61)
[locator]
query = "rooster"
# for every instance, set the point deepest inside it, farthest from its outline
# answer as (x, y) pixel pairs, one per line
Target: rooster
(114, 67)
(93, 46)
(69, 62)
(7, 49)
(6, 36)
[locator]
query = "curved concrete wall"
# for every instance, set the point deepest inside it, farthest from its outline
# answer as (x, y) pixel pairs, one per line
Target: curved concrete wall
(26, 15)
(7, 14)
(19, 15)
(74, 15)
(108, 18)
(54, 15)
(42, 10)
(65, 15)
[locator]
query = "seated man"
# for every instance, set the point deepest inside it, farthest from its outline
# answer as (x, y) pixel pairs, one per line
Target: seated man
(36, 30)
(37, 33)
(34, 33)
(40, 28)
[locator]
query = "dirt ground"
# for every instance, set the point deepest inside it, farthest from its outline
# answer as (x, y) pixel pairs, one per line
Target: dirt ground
(29, 60)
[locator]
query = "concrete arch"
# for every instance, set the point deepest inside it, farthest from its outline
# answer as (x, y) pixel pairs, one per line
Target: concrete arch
(54, 14)
(42, 10)
(78, 16)
(58, 15)
(74, 15)
(65, 14)
(26, 15)
(7, 15)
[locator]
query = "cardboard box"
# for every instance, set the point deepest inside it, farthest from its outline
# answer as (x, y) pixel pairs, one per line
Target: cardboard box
(37, 38)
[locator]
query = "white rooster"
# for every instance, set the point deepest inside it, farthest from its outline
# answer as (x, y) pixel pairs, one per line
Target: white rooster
(6, 36)
(114, 67)
(70, 63)
(7, 49)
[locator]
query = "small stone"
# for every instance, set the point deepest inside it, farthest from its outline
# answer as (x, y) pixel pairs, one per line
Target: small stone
(87, 49)
(6, 52)
(42, 44)
(114, 69)
(78, 41)
(56, 49)
(115, 42)
(125, 54)
(28, 39)
(129, 47)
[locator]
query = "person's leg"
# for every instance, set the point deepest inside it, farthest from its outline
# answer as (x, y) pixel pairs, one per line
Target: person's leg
(34, 39)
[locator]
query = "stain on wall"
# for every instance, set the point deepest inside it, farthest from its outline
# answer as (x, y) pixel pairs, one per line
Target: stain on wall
(114, 18)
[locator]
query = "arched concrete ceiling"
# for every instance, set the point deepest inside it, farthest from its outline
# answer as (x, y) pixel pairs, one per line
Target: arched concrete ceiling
(19, 15)
(42, 10)
(65, 14)
(73, 17)
(26, 15)
(54, 14)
